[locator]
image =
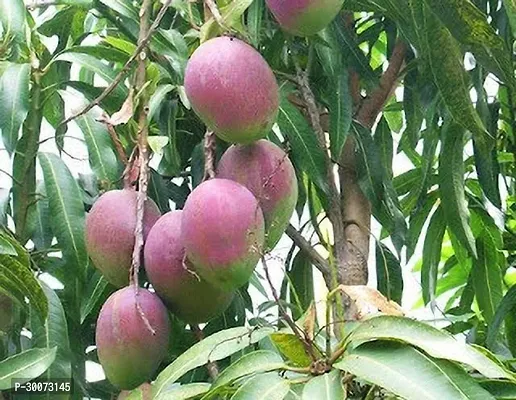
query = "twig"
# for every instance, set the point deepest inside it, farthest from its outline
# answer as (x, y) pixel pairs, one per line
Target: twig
(211, 366)
(214, 10)
(302, 335)
(210, 147)
(118, 144)
(319, 261)
(143, 152)
(142, 43)
(3, 171)
(334, 211)
(374, 103)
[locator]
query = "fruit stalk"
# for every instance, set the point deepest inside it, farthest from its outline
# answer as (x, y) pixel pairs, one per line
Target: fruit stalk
(334, 212)
(143, 152)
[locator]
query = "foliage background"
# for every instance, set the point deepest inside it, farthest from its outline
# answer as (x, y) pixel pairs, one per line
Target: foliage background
(428, 85)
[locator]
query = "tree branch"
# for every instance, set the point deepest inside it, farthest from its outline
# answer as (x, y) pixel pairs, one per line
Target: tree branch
(374, 103)
(142, 43)
(319, 261)
(354, 204)
(140, 81)
(334, 211)
(296, 330)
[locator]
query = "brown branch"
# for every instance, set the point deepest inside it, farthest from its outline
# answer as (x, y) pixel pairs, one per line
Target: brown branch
(354, 204)
(319, 261)
(118, 144)
(143, 152)
(211, 366)
(301, 334)
(142, 43)
(334, 211)
(374, 103)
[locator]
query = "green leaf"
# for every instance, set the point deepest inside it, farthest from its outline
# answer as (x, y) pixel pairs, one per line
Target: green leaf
(13, 18)
(410, 373)
(254, 21)
(487, 277)
(471, 28)
(432, 255)
(434, 342)
(488, 170)
(25, 366)
(168, 127)
(157, 99)
(446, 63)
(370, 176)
(324, 387)
(505, 308)
(97, 291)
(417, 221)
(329, 53)
(19, 281)
(185, 392)
(42, 235)
(53, 334)
(510, 7)
(292, 348)
(159, 192)
(93, 64)
(353, 55)
(389, 273)
(305, 147)
(102, 157)
(231, 16)
(451, 185)
(6, 247)
(122, 7)
(502, 390)
(213, 348)
(14, 101)
(302, 283)
(100, 52)
(172, 44)
(253, 363)
(67, 210)
(268, 386)
(158, 143)
(21, 254)
(340, 107)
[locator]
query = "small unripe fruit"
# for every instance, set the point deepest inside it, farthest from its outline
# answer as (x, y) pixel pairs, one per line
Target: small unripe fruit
(145, 392)
(267, 172)
(128, 350)
(223, 232)
(232, 89)
(304, 17)
(188, 295)
(110, 229)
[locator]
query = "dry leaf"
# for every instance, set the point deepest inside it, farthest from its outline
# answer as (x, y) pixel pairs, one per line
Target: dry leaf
(123, 115)
(370, 301)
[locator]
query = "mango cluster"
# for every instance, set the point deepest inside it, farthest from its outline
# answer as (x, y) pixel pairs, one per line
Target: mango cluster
(197, 258)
